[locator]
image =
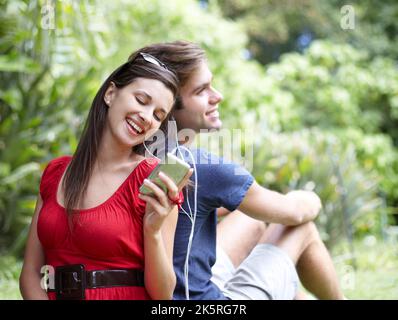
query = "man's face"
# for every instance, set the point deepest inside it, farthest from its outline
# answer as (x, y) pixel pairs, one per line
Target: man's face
(200, 102)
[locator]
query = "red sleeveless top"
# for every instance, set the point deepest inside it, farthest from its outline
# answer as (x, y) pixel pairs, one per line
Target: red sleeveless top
(108, 236)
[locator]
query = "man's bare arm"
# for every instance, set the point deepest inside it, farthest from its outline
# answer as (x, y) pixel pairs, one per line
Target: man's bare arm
(294, 208)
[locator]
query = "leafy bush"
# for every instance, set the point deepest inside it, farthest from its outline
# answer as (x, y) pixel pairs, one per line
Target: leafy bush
(336, 87)
(10, 269)
(318, 161)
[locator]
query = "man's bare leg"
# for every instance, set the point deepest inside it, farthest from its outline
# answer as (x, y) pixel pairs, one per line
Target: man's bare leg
(238, 234)
(313, 262)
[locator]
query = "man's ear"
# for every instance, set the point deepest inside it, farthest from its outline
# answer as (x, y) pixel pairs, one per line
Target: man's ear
(110, 93)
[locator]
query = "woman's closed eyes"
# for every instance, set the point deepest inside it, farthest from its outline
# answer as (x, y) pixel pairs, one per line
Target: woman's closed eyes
(159, 116)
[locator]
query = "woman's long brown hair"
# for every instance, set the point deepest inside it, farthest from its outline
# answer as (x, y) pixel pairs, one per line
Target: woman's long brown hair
(81, 166)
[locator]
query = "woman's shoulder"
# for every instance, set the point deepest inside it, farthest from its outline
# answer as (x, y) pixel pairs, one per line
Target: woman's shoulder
(57, 163)
(144, 168)
(52, 173)
(60, 160)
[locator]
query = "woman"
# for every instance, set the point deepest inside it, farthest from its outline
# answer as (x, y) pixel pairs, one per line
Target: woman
(91, 226)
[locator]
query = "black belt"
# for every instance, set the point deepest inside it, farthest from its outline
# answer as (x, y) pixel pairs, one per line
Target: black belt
(71, 281)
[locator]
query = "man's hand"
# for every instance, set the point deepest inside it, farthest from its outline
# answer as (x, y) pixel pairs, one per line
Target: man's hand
(307, 203)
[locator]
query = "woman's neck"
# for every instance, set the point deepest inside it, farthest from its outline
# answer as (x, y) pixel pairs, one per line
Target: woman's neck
(111, 154)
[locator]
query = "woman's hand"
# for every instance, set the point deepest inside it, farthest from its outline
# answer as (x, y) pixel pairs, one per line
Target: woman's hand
(160, 223)
(160, 205)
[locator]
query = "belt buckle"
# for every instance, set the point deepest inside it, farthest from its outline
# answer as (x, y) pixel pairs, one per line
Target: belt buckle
(70, 282)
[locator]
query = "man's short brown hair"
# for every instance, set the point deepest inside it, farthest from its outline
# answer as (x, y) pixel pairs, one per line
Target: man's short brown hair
(182, 57)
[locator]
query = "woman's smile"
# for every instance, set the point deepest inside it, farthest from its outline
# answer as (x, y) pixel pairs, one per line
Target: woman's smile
(134, 128)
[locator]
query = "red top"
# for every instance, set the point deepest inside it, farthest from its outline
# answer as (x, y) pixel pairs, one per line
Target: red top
(108, 236)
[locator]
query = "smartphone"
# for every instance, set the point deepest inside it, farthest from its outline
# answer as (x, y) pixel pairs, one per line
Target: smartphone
(173, 167)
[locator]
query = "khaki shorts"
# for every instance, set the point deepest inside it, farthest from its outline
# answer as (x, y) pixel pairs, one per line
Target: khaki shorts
(267, 273)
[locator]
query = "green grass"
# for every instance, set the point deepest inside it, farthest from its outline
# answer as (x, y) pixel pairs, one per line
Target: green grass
(376, 276)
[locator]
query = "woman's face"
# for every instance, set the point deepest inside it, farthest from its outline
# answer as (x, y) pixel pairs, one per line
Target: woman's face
(137, 110)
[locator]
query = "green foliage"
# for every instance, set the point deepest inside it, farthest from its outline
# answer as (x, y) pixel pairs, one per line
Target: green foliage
(376, 275)
(277, 27)
(316, 160)
(35, 125)
(10, 269)
(352, 91)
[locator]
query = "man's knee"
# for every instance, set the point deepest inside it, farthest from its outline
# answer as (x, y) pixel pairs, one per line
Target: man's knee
(311, 231)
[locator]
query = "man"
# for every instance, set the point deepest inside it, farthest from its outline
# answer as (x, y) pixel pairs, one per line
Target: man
(253, 262)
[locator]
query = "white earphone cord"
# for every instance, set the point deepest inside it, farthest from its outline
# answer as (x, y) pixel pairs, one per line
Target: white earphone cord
(193, 220)
(191, 217)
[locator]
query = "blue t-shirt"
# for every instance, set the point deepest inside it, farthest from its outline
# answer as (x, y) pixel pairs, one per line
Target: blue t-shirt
(220, 184)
